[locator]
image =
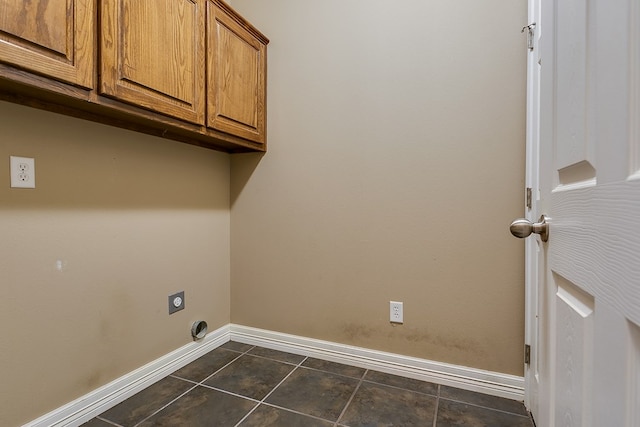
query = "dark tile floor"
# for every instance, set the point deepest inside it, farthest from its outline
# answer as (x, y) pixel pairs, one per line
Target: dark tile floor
(242, 385)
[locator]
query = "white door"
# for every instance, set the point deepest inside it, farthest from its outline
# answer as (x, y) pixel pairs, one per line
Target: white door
(588, 367)
(532, 246)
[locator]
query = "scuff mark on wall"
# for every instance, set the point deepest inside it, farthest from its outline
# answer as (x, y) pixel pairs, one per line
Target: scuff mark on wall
(356, 332)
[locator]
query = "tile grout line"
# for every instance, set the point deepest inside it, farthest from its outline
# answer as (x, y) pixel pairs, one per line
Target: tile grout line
(241, 352)
(324, 371)
(183, 379)
(165, 406)
(488, 408)
(295, 412)
(296, 367)
(230, 393)
(284, 379)
(195, 384)
(274, 360)
(272, 390)
(258, 403)
(215, 372)
(251, 411)
(108, 421)
(435, 413)
(404, 388)
(351, 398)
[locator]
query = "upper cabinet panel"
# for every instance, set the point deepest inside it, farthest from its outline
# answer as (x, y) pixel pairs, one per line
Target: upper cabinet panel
(153, 55)
(189, 70)
(236, 75)
(54, 38)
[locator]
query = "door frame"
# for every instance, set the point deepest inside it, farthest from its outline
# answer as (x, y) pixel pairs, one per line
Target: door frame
(532, 169)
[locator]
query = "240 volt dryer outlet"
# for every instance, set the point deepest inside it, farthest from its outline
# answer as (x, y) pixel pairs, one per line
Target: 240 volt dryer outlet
(176, 302)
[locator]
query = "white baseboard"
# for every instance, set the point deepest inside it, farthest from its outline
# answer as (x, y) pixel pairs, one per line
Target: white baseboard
(487, 382)
(94, 403)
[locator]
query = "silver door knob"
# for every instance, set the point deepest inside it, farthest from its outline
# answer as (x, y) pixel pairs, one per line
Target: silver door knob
(522, 227)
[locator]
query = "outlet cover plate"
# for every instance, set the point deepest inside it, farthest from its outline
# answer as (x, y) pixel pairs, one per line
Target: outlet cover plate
(396, 312)
(176, 302)
(23, 172)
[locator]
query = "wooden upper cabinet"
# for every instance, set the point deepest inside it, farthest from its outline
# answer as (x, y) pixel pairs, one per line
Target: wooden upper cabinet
(236, 74)
(54, 38)
(153, 55)
(189, 70)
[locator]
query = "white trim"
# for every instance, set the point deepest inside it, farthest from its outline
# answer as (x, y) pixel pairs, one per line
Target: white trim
(487, 382)
(532, 178)
(94, 403)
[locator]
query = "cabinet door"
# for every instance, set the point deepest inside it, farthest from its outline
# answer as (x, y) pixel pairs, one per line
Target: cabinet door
(236, 75)
(152, 55)
(54, 38)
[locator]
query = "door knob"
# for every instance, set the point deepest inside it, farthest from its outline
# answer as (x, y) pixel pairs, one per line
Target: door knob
(522, 227)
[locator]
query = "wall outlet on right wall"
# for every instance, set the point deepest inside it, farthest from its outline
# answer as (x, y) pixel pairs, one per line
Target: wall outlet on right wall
(396, 312)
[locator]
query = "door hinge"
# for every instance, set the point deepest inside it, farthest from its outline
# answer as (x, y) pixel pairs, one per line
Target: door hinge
(528, 197)
(530, 29)
(527, 354)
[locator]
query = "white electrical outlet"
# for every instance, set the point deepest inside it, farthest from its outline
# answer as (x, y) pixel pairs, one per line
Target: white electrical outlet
(23, 172)
(396, 312)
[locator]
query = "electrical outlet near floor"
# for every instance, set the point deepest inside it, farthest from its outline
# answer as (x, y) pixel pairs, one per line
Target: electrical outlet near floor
(396, 312)
(176, 302)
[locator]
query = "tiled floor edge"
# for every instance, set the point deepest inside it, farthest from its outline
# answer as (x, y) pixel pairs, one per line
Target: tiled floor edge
(90, 405)
(97, 401)
(478, 380)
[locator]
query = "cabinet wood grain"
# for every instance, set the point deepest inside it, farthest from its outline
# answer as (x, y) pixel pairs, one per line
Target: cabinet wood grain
(189, 70)
(153, 55)
(236, 74)
(50, 37)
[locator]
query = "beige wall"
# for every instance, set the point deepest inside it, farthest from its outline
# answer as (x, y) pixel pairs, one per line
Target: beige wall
(133, 218)
(396, 163)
